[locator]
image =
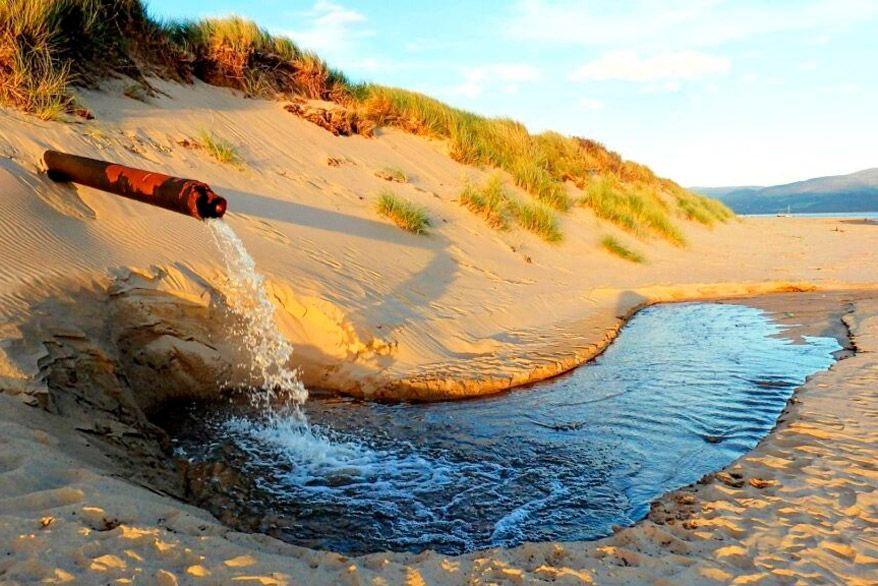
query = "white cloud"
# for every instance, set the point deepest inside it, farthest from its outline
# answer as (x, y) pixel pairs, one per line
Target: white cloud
(629, 66)
(678, 23)
(332, 30)
(478, 79)
(335, 15)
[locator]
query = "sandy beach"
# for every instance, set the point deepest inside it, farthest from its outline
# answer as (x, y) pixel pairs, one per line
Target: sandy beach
(95, 290)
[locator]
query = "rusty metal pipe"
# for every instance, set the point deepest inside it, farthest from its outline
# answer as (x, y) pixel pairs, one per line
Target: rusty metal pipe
(186, 196)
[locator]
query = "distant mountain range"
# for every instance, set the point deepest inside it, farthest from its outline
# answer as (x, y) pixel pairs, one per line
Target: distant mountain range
(856, 192)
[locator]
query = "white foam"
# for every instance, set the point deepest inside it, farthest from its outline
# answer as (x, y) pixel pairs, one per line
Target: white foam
(510, 529)
(260, 336)
(294, 440)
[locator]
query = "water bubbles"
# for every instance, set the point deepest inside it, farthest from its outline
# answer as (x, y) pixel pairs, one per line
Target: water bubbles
(259, 334)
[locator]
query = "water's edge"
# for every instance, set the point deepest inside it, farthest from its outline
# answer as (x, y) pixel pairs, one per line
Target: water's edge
(437, 385)
(200, 485)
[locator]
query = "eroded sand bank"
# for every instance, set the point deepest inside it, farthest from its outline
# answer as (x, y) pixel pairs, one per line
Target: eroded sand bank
(93, 287)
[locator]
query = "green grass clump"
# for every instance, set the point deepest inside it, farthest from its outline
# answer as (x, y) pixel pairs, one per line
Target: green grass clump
(221, 150)
(48, 46)
(498, 207)
(473, 139)
(31, 82)
(541, 164)
(390, 173)
(637, 209)
(612, 245)
(491, 202)
(411, 111)
(702, 209)
(536, 218)
(403, 213)
(534, 179)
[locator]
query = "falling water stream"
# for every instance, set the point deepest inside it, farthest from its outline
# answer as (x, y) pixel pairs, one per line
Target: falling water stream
(276, 394)
(259, 334)
(684, 390)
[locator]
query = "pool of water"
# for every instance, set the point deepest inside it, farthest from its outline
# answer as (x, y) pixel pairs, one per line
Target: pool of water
(683, 391)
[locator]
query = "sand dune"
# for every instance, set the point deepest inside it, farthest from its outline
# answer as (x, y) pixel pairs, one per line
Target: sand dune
(97, 285)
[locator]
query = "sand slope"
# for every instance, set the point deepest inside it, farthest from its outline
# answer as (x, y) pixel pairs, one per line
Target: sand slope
(92, 281)
(373, 309)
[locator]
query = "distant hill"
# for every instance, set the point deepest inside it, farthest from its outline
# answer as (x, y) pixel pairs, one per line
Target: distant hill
(856, 192)
(719, 192)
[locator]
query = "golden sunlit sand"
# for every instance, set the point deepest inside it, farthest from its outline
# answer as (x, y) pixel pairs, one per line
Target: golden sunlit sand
(90, 283)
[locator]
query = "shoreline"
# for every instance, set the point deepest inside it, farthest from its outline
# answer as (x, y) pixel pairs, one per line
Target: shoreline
(685, 519)
(427, 389)
(723, 514)
(799, 314)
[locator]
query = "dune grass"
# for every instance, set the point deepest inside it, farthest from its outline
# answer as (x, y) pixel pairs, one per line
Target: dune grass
(32, 83)
(403, 213)
(473, 139)
(221, 150)
(612, 245)
(48, 46)
(702, 209)
(537, 218)
(638, 209)
(624, 192)
(499, 208)
(30, 77)
(235, 52)
(490, 201)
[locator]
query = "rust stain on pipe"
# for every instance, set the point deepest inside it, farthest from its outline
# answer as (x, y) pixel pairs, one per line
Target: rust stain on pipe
(186, 196)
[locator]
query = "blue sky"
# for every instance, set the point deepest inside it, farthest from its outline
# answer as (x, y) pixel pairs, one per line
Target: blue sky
(706, 92)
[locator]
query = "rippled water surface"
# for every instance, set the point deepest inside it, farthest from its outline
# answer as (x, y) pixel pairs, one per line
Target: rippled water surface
(683, 391)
